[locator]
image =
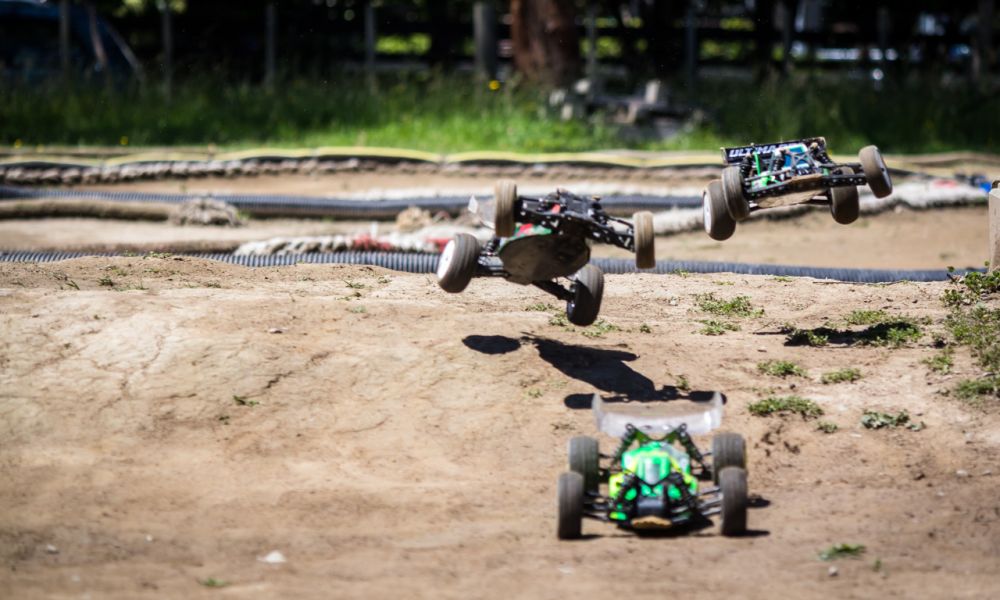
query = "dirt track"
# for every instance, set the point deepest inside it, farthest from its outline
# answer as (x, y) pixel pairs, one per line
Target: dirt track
(398, 442)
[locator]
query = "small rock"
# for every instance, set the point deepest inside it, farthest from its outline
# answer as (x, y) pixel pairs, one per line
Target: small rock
(276, 330)
(149, 538)
(962, 473)
(987, 472)
(273, 558)
(51, 549)
(762, 349)
(832, 571)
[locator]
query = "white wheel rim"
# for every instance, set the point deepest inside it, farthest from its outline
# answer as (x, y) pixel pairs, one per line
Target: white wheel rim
(707, 209)
(444, 263)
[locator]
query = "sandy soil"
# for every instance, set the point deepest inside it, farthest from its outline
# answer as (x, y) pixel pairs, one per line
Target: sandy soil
(395, 441)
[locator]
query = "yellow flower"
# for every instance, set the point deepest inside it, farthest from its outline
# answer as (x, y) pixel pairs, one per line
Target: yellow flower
(124, 140)
(494, 85)
(18, 143)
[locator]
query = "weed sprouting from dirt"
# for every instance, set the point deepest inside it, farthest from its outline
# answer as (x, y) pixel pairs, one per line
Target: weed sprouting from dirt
(974, 321)
(683, 384)
(559, 320)
(827, 427)
(838, 551)
(845, 375)
(212, 582)
(740, 306)
(781, 368)
(354, 285)
(244, 401)
(106, 282)
(867, 317)
(714, 327)
(540, 307)
(599, 328)
(872, 419)
(942, 362)
(645, 328)
(357, 310)
(794, 336)
(776, 405)
(893, 333)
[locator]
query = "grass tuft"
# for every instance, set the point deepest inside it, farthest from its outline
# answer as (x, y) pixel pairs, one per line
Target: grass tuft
(714, 327)
(842, 551)
(827, 427)
(795, 405)
(847, 375)
(781, 368)
(879, 420)
(740, 306)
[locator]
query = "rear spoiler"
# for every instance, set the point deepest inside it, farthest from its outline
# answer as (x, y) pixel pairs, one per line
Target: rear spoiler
(658, 418)
(735, 155)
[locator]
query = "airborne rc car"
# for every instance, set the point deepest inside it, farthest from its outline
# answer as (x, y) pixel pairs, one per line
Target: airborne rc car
(540, 240)
(796, 172)
(652, 482)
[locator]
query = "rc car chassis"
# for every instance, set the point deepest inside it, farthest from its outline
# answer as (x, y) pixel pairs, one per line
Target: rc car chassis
(653, 483)
(795, 172)
(552, 242)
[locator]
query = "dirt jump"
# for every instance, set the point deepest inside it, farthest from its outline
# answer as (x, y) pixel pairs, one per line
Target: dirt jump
(171, 426)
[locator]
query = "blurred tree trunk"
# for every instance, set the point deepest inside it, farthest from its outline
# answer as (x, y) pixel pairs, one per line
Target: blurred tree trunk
(763, 26)
(442, 31)
(546, 44)
(662, 46)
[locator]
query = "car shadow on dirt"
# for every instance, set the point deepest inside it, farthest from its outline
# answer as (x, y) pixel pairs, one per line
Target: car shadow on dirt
(603, 368)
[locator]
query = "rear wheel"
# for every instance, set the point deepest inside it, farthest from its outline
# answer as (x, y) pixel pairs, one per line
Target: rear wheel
(876, 172)
(570, 499)
(588, 290)
(844, 201)
(584, 455)
(457, 264)
(645, 248)
(732, 191)
(728, 450)
(505, 195)
(733, 485)
(719, 224)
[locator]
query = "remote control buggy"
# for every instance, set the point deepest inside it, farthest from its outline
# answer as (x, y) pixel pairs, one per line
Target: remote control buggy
(795, 172)
(654, 482)
(538, 241)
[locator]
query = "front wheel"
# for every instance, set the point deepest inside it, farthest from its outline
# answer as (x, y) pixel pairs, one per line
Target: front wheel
(728, 450)
(588, 290)
(719, 224)
(732, 191)
(645, 248)
(733, 485)
(845, 204)
(457, 264)
(569, 493)
(875, 170)
(584, 458)
(505, 194)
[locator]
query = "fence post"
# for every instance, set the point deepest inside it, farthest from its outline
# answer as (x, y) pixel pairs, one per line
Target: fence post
(484, 27)
(167, 25)
(270, 33)
(995, 226)
(64, 37)
(370, 44)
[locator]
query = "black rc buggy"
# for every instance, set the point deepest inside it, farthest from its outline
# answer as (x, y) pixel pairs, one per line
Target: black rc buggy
(652, 480)
(540, 240)
(796, 172)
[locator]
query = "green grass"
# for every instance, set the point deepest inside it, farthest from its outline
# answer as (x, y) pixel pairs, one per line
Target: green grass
(872, 419)
(827, 427)
(427, 111)
(866, 317)
(781, 368)
(600, 328)
(974, 322)
(942, 362)
(715, 327)
(842, 551)
(805, 337)
(795, 405)
(847, 375)
(739, 306)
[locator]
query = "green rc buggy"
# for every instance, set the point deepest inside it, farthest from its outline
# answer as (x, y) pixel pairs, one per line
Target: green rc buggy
(653, 482)
(762, 176)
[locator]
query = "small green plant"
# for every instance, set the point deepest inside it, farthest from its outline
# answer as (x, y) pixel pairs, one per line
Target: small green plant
(827, 427)
(723, 282)
(244, 401)
(775, 405)
(713, 327)
(212, 284)
(893, 334)
(224, 419)
(838, 551)
(540, 307)
(72, 284)
(781, 368)
(559, 320)
(845, 375)
(804, 337)
(382, 279)
(212, 582)
(106, 282)
(740, 306)
(681, 272)
(645, 328)
(535, 393)
(354, 285)
(872, 419)
(599, 328)
(866, 317)
(152, 254)
(942, 362)
(683, 384)
(781, 278)
(357, 309)
(973, 390)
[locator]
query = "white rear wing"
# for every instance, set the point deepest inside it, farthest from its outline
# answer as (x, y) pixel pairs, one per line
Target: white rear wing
(658, 418)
